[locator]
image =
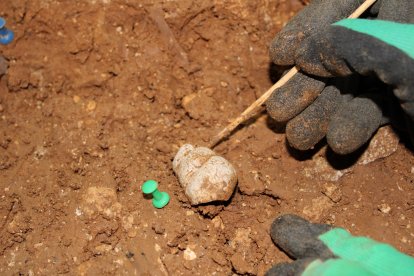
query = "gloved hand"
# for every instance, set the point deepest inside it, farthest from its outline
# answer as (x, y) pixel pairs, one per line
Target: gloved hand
(320, 250)
(350, 108)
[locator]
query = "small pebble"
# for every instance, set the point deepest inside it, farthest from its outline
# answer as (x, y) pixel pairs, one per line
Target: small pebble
(91, 105)
(76, 99)
(384, 208)
(189, 254)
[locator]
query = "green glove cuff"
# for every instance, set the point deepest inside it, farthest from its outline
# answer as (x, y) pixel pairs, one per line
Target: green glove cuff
(378, 258)
(398, 35)
(335, 267)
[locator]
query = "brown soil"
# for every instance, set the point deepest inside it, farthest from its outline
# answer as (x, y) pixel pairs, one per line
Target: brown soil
(99, 96)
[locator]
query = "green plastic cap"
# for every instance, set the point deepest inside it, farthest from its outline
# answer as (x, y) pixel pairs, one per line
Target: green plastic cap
(159, 199)
(149, 186)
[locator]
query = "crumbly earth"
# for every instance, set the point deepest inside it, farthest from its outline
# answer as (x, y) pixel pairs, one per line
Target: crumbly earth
(98, 97)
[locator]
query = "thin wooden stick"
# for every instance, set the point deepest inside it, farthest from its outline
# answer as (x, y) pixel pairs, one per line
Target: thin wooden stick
(361, 9)
(249, 111)
(246, 114)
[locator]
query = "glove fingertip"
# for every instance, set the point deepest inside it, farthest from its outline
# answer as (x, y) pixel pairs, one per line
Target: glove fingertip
(309, 60)
(283, 46)
(353, 125)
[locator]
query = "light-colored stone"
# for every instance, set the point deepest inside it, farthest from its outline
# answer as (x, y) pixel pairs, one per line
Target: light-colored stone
(320, 168)
(204, 175)
(91, 105)
(384, 208)
(189, 254)
(103, 248)
(383, 144)
(76, 99)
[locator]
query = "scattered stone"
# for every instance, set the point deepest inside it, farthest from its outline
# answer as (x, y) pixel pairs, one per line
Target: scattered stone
(383, 144)
(129, 254)
(204, 175)
(333, 192)
(189, 254)
(320, 168)
(384, 208)
(76, 99)
(39, 152)
(187, 100)
(224, 84)
(91, 105)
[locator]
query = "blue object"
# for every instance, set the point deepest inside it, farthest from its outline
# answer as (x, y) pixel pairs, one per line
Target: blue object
(6, 35)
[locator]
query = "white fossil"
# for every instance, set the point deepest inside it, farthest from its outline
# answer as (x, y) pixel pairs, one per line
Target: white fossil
(204, 175)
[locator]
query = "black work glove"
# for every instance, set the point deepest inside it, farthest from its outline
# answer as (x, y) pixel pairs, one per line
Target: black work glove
(349, 109)
(322, 250)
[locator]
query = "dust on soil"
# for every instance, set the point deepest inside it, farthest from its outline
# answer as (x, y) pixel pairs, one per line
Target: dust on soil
(99, 96)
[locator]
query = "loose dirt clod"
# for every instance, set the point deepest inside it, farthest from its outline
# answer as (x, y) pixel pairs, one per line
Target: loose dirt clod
(204, 175)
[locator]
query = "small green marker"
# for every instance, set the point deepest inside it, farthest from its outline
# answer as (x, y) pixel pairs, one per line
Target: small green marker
(159, 199)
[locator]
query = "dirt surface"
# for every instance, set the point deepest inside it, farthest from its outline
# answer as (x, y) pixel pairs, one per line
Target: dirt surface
(98, 97)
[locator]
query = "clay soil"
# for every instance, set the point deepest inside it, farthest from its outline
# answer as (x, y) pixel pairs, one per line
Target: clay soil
(99, 96)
